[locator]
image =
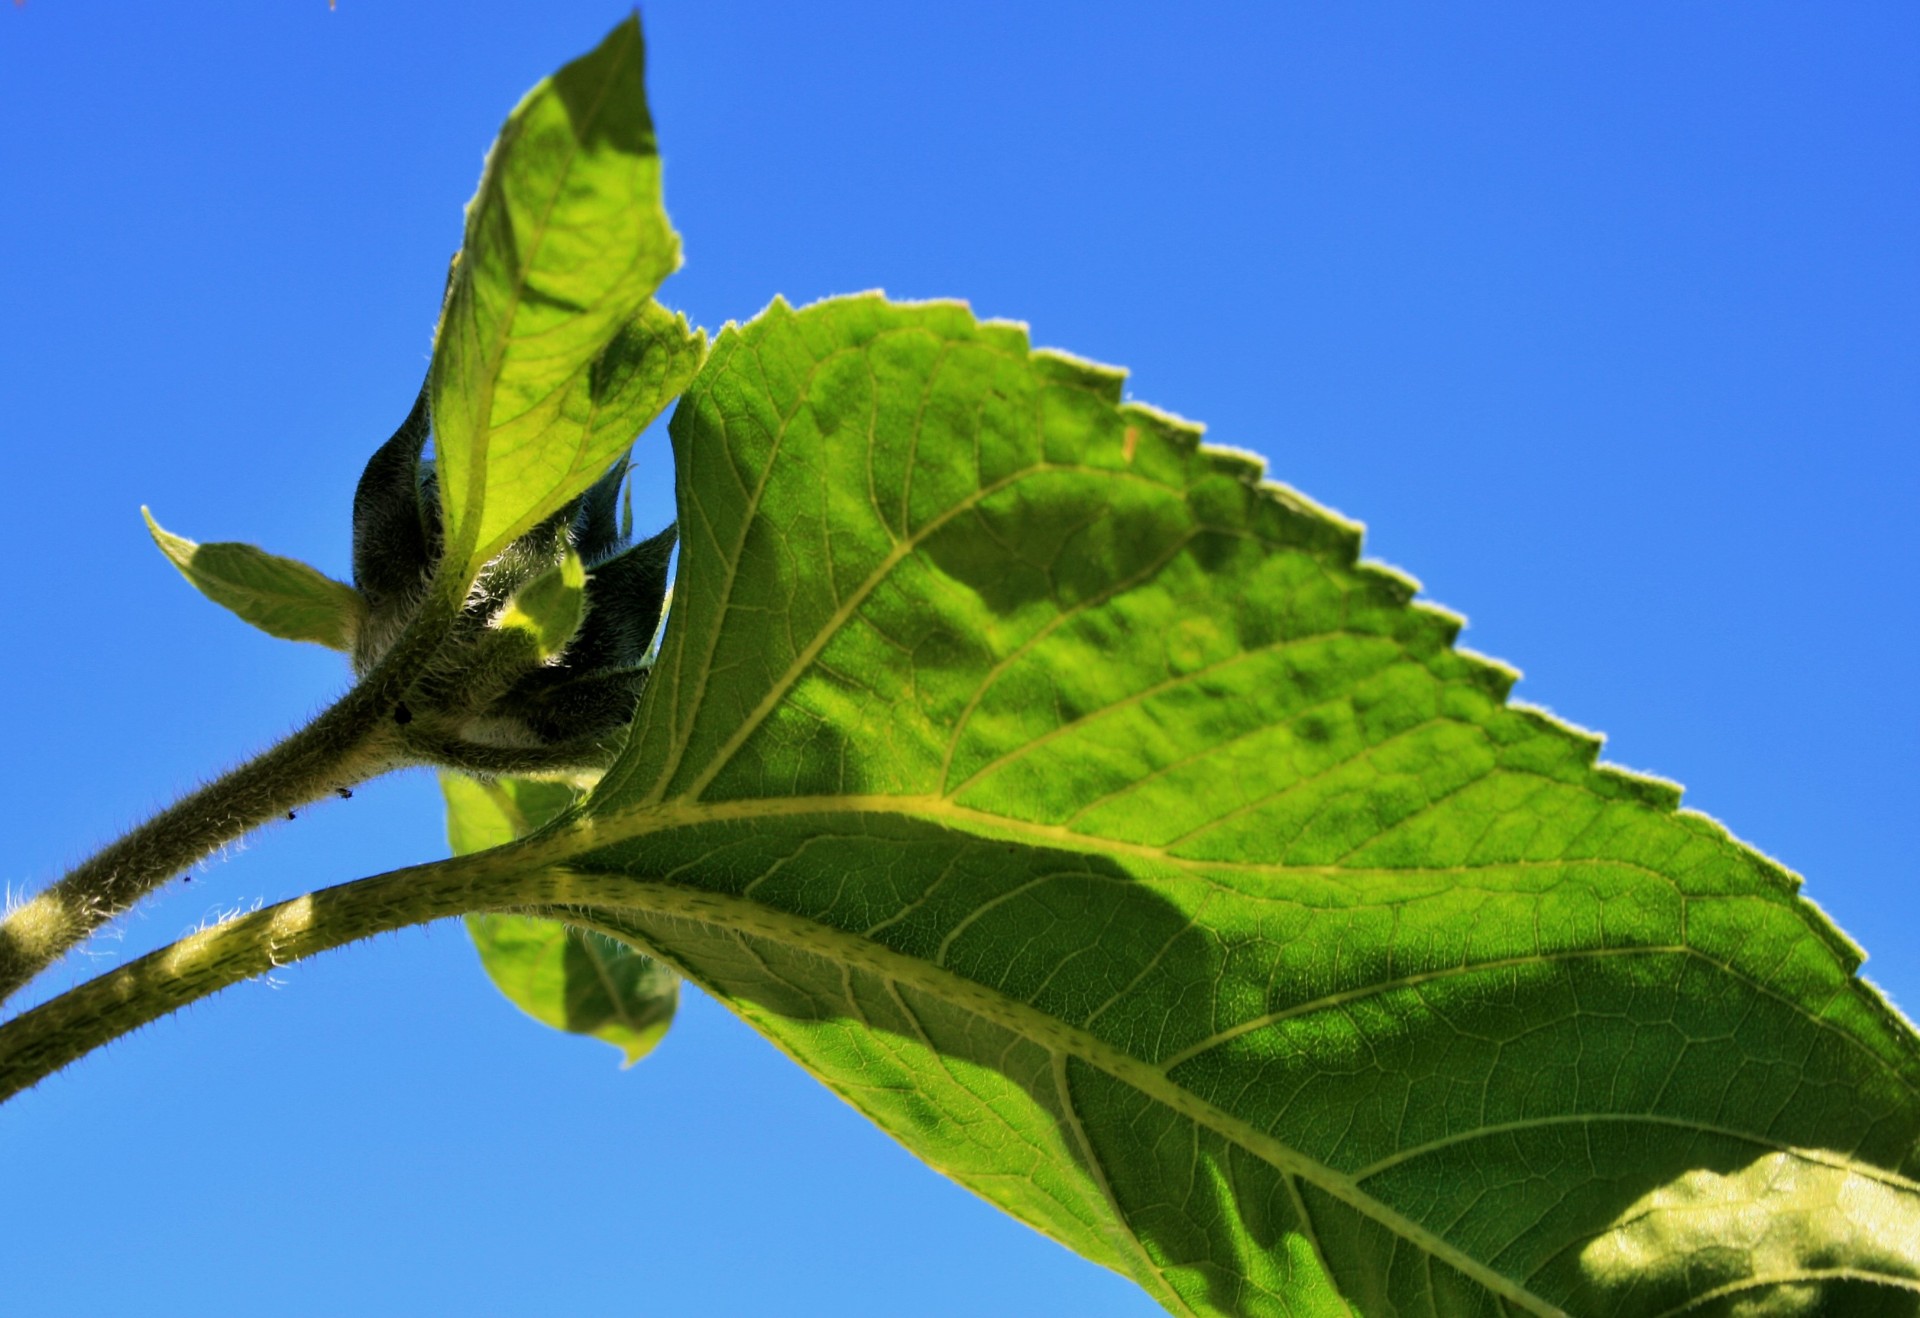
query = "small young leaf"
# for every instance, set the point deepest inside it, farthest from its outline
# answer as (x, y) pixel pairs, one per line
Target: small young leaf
(548, 609)
(578, 980)
(596, 524)
(574, 980)
(281, 596)
(393, 528)
(628, 593)
(492, 812)
(551, 355)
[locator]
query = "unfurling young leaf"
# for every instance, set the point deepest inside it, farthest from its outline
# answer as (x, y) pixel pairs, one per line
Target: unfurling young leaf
(551, 354)
(548, 609)
(281, 596)
(548, 655)
(396, 534)
(571, 979)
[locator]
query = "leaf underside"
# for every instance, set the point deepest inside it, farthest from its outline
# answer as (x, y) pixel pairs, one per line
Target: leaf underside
(283, 597)
(1086, 813)
(572, 979)
(551, 355)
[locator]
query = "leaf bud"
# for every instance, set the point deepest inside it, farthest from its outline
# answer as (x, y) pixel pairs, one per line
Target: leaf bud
(544, 665)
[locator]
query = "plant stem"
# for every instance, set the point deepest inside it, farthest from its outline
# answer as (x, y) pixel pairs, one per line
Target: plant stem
(353, 740)
(40, 1041)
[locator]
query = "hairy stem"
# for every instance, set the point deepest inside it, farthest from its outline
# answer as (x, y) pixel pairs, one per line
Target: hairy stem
(353, 740)
(36, 1043)
(39, 1042)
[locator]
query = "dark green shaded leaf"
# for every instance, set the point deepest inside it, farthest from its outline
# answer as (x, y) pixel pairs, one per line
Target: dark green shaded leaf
(281, 596)
(628, 593)
(596, 524)
(395, 519)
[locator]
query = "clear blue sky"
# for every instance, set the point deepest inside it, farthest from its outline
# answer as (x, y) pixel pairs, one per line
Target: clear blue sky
(1605, 318)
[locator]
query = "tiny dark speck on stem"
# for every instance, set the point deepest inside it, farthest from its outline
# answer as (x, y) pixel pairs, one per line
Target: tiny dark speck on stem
(402, 715)
(344, 793)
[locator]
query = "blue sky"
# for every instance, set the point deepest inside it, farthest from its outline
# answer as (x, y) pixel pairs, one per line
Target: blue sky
(1605, 319)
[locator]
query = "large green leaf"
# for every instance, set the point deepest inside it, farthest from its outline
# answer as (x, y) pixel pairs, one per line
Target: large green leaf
(576, 980)
(1082, 810)
(281, 596)
(551, 356)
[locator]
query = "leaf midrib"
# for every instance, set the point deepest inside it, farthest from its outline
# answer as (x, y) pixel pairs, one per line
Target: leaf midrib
(589, 833)
(740, 917)
(737, 916)
(503, 335)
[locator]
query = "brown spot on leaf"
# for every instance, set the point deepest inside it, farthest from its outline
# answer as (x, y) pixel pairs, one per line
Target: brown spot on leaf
(1129, 442)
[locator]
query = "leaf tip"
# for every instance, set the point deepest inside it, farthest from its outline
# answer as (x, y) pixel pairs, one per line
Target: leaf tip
(637, 1046)
(178, 549)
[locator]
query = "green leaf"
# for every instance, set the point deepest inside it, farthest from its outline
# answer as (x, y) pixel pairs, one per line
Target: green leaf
(1818, 1233)
(550, 356)
(1085, 812)
(491, 812)
(281, 596)
(572, 979)
(548, 609)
